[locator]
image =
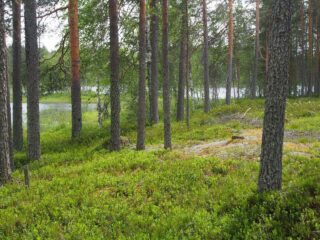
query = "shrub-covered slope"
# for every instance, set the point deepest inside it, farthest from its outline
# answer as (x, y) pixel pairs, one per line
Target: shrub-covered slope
(204, 189)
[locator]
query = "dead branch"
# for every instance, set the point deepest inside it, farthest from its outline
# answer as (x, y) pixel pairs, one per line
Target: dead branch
(53, 12)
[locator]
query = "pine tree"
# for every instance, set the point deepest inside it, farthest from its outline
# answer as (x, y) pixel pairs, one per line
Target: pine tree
(270, 177)
(75, 69)
(183, 61)
(302, 47)
(257, 52)
(5, 169)
(142, 78)
(16, 76)
(310, 48)
(166, 80)
(32, 60)
(114, 66)
(205, 57)
(154, 62)
(230, 53)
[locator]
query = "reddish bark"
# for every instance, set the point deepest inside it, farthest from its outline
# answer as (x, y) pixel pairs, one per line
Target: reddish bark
(75, 68)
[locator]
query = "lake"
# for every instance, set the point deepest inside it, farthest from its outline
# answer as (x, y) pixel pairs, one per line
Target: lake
(56, 112)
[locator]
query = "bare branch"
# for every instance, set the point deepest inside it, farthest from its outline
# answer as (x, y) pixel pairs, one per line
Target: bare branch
(53, 11)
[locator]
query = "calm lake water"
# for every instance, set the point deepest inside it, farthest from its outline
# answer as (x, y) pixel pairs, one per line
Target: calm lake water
(55, 109)
(53, 114)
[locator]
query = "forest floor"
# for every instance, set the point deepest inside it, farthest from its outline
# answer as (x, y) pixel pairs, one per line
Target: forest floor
(205, 188)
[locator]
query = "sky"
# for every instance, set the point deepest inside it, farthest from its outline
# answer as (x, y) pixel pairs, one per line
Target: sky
(51, 37)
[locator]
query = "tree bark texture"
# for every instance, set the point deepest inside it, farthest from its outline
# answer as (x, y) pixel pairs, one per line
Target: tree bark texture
(270, 177)
(32, 59)
(154, 113)
(142, 78)
(166, 79)
(16, 77)
(188, 76)
(310, 47)
(302, 47)
(9, 122)
(183, 61)
(317, 66)
(114, 66)
(257, 52)
(75, 69)
(318, 54)
(230, 53)
(5, 169)
(205, 57)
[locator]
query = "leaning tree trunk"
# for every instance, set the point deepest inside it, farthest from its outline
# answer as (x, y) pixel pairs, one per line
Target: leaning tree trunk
(183, 61)
(154, 62)
(32, 59)
(142, 78)
(230, 54)
(16, 77)
(166, 80)
(114, 66)
(5, 169)
(257, 52)
(270, 177)
(75, 69)
(205, 57)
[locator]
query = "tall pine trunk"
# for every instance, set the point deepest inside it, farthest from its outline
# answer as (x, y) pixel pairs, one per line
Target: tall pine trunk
(205, 56)
(9, 122)
(16, 76)
(270, 177)
(75, 69)
(257, 52)
(183, 61)
(5, 170)
(302, 47)
(166, 80)
(310, 48)
(318, 53)
(267, 52)
(32, 59)
(142, 78)
(238, 73)
(188, 76)
(230, 53)
(154, 114)
(317, 65)
(114, 66)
